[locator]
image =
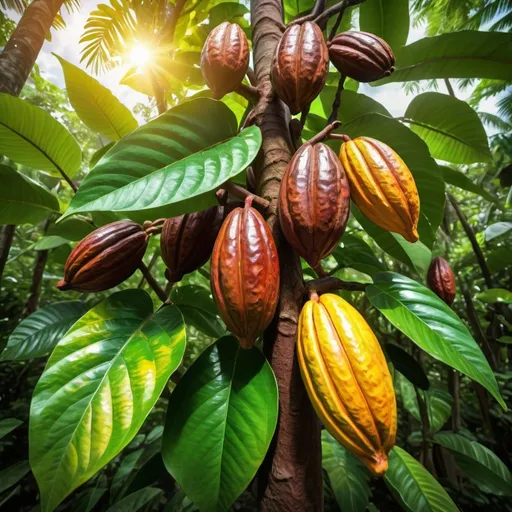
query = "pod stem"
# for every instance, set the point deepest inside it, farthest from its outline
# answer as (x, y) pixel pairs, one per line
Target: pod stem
(325, 133)
(249, 92)
(329, 284)
(244, 195)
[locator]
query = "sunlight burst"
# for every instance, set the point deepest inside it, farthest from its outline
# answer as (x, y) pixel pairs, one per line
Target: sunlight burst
(139, 56)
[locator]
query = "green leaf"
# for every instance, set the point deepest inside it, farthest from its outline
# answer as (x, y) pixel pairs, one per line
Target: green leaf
(8, 425)
(349, 479)
(198, 309)
(71, 229)
(505, 339)
(38, 334)
(407, 366)
(171, 165)
(100, 383)
(497, 229)
(356, 253)
(481, 465)
(22, 200)
(450, 127)
(389, 20)
(124, 470)
(13, 474)
(98, 155)
(95, 105)
(460, 180)
(432, 325)
(49, 242)
(352, 276)
(32, 137)
(499, 258)
(220, 421)
(138, 500)
(92, 496)
(413, 486)
(464, 54)
(415, 154)
(496, 295)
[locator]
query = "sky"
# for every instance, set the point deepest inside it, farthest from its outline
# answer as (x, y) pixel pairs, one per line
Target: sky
(65, 43)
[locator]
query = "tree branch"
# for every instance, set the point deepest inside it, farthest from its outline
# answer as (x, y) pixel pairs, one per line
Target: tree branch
(330, 283)
(337, 100)
(152, 262)
(249, 92)
(324, 134)
(243, 194)
(153, 282)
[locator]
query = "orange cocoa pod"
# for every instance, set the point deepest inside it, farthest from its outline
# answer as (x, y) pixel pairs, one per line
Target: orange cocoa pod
(245, 274)
(300, 65)
(361, 56)
(382, 186)
(225, 58)
(441, 281)
(105, 258)
(314, 202)
(187, 241)
(347, 379)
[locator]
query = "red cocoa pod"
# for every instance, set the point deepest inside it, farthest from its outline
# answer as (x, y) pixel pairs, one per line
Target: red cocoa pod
(105, 258)
(361, 56)
(225, 58)
(314, 202)
(441, 281)
(245, 274)
(187, 241)
(300, 65)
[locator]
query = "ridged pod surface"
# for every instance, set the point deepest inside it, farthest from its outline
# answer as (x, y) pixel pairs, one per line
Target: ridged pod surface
(361, 56)
(105, 258)
(187, 241)
(245, 274)
(347, 379)
(225, 58)
(441, 281)
(314, 202)
(382, 186)
(300, 65)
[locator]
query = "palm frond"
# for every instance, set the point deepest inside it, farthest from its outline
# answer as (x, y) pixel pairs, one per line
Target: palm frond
(72, 5)
(14, 5)
(487, 13)
(495, 121)
(487, 88)
(58, 22)
(505, 106)
(504, 23)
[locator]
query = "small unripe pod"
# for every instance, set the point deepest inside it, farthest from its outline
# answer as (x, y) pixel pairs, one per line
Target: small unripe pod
(441, 281)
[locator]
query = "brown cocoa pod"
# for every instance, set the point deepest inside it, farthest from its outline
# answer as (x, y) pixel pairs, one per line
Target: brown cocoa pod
(225, 58)
(314, 202)
(300, 65)
(187, 241)
(245, 274)
(441, 280)
(361, 56)
(105, 258)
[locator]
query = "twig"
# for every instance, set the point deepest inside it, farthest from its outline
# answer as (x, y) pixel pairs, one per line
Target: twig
(153, 282)
(337, 100)
(454, 388)
(152, 262)
(325, 133)
(426, 448)
(449, 87)
(334, 28)
(331, 11)
(303, 117)
(329, 283)
(318, 8)
(243, 194)
(249, 92)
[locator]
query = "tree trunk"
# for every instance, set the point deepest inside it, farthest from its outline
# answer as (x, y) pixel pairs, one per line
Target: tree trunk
(37, 280)
(6, 236)
(291, 477)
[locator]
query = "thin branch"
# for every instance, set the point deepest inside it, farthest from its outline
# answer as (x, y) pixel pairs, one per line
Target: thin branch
(303, 117)
(449, 87)
(454, 388)
(325, 133)
(426, 448)
(243, 194)
(336, 25)
(318, 8)
(329, 283)
(153, 282)
(152, 262)
(337, 100)
(249, 92)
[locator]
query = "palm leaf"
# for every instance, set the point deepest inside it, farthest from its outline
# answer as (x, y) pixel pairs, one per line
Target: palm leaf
(14, 5)
(488, 13)
(494, 121)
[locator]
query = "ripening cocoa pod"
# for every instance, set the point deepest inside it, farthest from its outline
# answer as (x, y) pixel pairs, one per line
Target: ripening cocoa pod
(314, 202)
(187, 241)
(225, 58)
(361, 56)
(300, 65)
(245, 274)
(382, 186)
(105, 258)
(347, 379)
(441, 281)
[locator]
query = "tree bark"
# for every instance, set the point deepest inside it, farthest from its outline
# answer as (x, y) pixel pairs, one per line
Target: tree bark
(290, 479)
(37, 281)
(6, 236)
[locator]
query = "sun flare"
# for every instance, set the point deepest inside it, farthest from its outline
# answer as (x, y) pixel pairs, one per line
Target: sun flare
(139, 55)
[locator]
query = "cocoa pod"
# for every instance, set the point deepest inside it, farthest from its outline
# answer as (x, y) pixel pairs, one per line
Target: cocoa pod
(314, 202)
(225, 58)
(187, 241)
(105, 258)
(245, 274)
(382, 186)
(441, 281)
(361, 56)
(300, 65)
(347, 379)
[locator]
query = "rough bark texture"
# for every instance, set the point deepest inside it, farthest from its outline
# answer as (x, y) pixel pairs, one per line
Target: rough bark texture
(6, 236)
(37, 280)
(291, 476)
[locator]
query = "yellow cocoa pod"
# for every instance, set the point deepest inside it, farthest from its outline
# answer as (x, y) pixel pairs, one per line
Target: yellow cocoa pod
(382, 186)
(347, 379)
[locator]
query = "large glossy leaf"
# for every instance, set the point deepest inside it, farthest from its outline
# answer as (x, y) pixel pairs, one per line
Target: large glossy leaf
(220, 421)
(460, 180)
(389, 20)
(407, 366)
(432, 325)
(22, 200)
(138, 500)
(95, 105)
(32, 137)
(171, 165)
(496, 230)
(450, 127)
(71, 229)
(356, 253)
(464, 54)
(349, 479)
(13, 474)
(415, 154)
(38, 334)
(481, 465)
(126, 467)
(8, 425)
(100, 383)
(495, 295)
(414, 487)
